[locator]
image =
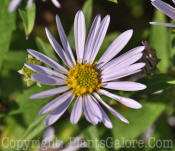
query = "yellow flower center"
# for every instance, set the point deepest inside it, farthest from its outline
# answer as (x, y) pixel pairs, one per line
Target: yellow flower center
(83, 78)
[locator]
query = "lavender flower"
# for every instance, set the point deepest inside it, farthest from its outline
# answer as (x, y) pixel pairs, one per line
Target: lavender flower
(166, 9)
(14, 4)
(85, 80)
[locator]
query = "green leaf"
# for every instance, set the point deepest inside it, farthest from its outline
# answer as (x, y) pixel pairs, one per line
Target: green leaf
(159, 40)
(114, 1)
(87, 10)
(28, 18)
(12, 131)
(92, 134)
(140, 120)
(13, 62)
(28, 107)
(171, 82)
(46, 48)
(7, 25)
(35, 128)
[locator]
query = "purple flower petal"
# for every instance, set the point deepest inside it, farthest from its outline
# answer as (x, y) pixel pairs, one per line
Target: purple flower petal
(115, 113)
(124, 86)
(65, 41)
(58, 49)
(125, 101)
(47, 80)
(56, 3)
(79, 34)
(116, 47)
(123, 57)
(88, 114)
(100, 37)
(91, 38)
(122, 72)
(76, 111)
(44, 70)
(163, 24)
(49, 93)
(93, 107)
(165, 8)
(13, 5)
(48, 61)
(59, 111)
(105, 118)
(55, 103)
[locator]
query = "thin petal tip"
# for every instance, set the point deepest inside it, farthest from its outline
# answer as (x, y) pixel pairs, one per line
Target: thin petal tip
(130, 31)
(31, 97)
(138, 106)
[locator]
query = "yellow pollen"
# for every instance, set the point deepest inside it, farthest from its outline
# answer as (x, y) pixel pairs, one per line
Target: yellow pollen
(83, 78)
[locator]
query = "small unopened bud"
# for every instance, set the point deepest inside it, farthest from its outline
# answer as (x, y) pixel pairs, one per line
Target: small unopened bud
(26, 72)
(150, 58)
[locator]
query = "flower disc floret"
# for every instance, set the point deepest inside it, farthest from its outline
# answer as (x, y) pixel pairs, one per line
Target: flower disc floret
(83, 78)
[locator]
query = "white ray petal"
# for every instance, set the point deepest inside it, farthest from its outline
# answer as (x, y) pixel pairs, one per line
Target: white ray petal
(43, 58)
(64, 40)
(121, 65)
(173, 1)
(118, 44)
(121, 76)
(13, 5)
(100, 37)
(44, 70)
(91, 38)
(105, 118)
(163, 24)
(94, 107)
(87, 112)
(115, 74)
(58, 49)
(124, 57)
(115, 113)
(124, 86)
(58, 112)
(76, 111)
(47, 79)
(79, 34)
(56, 3)
(55, 103)
(123, 100)
(49, 93)
(165, 8)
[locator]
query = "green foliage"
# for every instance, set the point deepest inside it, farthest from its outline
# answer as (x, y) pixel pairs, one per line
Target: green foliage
(140, 120)
(87, 10)
(92, 133)
(15, 63)
(28, 18)
(171, 82)
(159, 40)
(7, 25)
(35, 128)
(46, 48)
(114, 1)
(30, 108)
